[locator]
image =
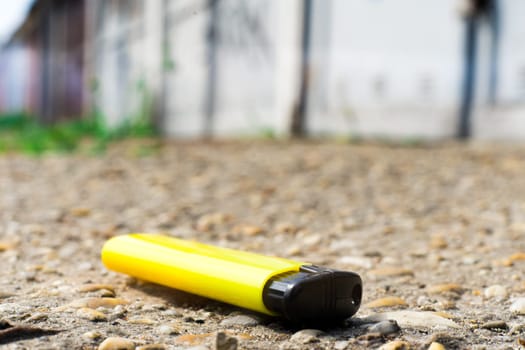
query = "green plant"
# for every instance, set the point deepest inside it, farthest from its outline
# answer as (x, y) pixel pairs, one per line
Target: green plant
(20, 132)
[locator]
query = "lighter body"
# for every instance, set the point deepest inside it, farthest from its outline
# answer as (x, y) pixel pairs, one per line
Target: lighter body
(299, 291)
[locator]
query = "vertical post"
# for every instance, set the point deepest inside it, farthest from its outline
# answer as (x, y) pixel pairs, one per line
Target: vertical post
(45, 63)
(469, 76)
(211, 86)
(495, 28)
(299, 114)
(88, 57)
(154, 13)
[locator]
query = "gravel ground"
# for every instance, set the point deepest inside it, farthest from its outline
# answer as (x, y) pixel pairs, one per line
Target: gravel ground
(436, 232)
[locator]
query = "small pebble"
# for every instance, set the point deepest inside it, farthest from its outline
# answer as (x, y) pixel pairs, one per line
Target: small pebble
(395, 345)
(172, 313)
(444, 288)
(92, 287)
(495, 325)
(438, 242)
(311, 240)
(146, 321)
(37, 317)
(520, 256)
(154, 307)
(80, 212)
(385, 327)
(286, 228)
(386, 302)
(306, 336)
(443, 314)
(240, 320)
(436, 346)
(92, 315)
(293, 250)
(518, 306)
(117, 343)
(168, 329)
(517, 329)
(193, 339)
(496, 291)
(91, 335)
(94, 303)
(225, 342)
(208, 221)
(341, 344)
(249, 230)
(5, 246)
(4, 295)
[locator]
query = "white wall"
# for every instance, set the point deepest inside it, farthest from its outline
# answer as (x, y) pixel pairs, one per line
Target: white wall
(120, 61)
(185, 93)
(377, 68)
(393, 68)
(258, 65)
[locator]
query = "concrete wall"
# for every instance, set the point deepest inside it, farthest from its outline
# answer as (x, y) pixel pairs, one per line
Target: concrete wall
(116, 66)
(377, 67)
(390, 68)
(252, 63)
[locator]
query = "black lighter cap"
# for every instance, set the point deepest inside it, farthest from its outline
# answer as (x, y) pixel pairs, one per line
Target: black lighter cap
(314, 295)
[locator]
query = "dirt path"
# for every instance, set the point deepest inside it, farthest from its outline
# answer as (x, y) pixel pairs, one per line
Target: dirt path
(437, 234)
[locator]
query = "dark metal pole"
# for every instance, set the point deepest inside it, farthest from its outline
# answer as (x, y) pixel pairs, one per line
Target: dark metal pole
(299, 114)
(45, 64)
(469, 76)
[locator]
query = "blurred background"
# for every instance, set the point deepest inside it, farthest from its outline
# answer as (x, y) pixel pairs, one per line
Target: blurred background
(197, 68)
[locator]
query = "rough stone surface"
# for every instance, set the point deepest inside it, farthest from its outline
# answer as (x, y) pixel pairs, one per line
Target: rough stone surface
(437, 226)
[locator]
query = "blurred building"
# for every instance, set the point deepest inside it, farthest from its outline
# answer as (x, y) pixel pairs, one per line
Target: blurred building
(404, 68)
(42, 65)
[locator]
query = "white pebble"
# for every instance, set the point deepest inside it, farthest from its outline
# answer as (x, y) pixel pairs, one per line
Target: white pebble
(116, 343)
(167, 329)
(306, 336)
(518, 306)
(496, 291)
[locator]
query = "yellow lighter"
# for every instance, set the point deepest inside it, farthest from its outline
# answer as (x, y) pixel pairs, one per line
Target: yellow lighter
(302, 293)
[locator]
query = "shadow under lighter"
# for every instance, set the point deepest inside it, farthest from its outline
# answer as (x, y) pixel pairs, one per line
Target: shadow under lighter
(300, 292)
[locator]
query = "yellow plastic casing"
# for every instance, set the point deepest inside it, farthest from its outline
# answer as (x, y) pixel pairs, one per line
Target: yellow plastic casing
(228, 275)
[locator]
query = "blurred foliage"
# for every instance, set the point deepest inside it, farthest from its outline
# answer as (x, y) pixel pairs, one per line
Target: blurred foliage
(22, 133)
